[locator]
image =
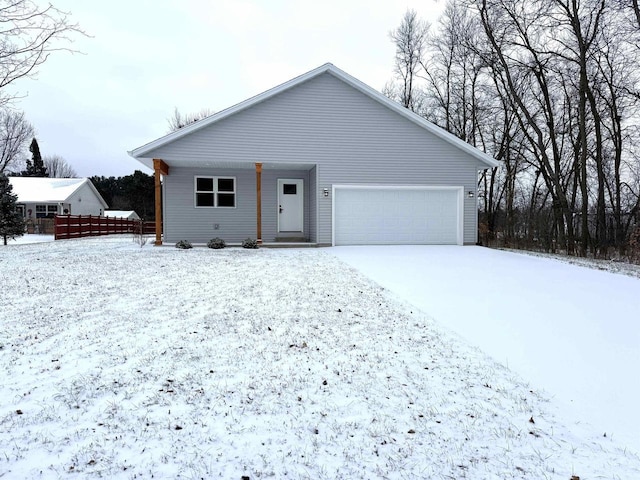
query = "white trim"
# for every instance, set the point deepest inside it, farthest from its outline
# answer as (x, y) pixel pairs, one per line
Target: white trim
(297, 181)
(141, 152)
(460, 209)
(215, 191)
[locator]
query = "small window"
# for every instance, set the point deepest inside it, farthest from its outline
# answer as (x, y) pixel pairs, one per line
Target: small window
(204, 184)
(226, 200)
(289, 189)
(52, 209)
(204, 199)
(41, 211)
(226, 185)
(215, 192)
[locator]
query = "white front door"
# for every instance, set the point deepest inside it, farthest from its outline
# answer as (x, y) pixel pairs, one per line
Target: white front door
(290, 205)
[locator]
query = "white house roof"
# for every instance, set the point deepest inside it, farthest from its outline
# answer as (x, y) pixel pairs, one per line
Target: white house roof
(121, 214)
(140, 152)
(49, 190)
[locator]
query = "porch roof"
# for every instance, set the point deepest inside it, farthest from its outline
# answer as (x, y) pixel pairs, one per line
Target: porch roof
(204, 164)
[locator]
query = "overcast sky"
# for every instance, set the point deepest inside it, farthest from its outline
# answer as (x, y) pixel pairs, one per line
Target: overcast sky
(146, 57)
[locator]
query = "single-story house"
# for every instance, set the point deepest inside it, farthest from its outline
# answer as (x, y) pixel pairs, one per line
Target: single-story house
(128, 214)
(322, 158)
(42, 197)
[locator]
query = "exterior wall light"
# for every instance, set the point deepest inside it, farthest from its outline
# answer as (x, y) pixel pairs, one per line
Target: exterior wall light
(325, 192)
(470, 194)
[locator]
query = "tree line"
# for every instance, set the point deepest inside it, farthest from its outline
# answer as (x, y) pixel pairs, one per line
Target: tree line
(130, 192)
(551, 88)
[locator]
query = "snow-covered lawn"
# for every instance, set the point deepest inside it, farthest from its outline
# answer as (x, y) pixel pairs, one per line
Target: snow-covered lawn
(571, 327)
(28, 238)
(125, 362)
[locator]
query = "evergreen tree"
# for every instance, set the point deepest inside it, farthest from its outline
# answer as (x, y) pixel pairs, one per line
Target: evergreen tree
(131, 192)
(11, 222)
(35, 166)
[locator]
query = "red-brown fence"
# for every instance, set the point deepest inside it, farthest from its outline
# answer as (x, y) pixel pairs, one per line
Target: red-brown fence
(76, 226)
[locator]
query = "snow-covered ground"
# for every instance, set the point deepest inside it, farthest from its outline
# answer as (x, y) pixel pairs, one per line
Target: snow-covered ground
(28, 238)
(572, 330)
(126, 362)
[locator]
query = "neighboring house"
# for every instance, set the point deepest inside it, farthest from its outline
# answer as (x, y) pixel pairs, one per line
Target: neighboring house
(41, 197)
(322, 158)
(128, 214)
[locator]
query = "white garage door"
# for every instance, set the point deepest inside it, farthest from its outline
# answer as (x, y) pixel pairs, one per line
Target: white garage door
(396, 215)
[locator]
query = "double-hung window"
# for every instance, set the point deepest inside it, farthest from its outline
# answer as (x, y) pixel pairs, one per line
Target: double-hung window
(41, 211)
(215, 192)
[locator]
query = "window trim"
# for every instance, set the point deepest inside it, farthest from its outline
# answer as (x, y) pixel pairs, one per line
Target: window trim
(215, 192)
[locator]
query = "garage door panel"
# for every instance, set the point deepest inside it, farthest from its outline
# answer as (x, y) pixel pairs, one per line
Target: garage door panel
(369, 216)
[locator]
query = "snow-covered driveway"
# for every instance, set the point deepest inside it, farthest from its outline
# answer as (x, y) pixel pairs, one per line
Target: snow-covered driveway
(570, 330)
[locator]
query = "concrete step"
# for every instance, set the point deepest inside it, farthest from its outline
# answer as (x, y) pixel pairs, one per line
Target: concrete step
(292, 239)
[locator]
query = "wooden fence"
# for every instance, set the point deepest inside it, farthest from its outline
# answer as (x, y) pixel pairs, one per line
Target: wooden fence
(76, 226)
(40, 225)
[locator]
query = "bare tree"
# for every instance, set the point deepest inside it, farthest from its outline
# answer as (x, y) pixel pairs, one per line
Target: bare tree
(410, 41)
(58, 167)
(29, 34)
(179, 120)
(551, 88)
(15, 134)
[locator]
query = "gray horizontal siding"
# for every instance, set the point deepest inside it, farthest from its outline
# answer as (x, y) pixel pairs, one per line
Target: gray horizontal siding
(270, 200)
(352, 139)
(182, 220)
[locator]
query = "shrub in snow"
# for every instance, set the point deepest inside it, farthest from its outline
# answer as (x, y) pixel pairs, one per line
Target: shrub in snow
(184, 244)
(249, 243)
(216, 243)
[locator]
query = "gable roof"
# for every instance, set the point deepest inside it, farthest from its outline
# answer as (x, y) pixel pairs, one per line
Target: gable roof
(140, 152)
(49, 190)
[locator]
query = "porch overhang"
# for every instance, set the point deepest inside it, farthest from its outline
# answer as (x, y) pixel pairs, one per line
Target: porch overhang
(162, 166)
(203, 163)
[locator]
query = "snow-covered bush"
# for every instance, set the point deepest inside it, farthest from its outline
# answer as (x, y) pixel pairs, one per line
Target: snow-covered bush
(249, 243)
(216, 243)
(184, 244)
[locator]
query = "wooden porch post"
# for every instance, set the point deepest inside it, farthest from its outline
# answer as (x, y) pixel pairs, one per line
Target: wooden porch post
(259, 202)
(159, 168)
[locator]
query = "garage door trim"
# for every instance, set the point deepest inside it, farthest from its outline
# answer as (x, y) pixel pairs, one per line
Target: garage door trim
(459, 210)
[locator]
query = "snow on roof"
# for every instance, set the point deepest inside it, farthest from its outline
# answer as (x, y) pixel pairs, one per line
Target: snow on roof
(45, 190)
(121, 214)
(42, 189)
